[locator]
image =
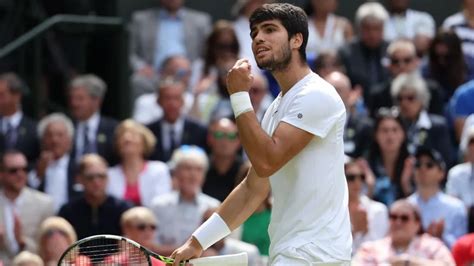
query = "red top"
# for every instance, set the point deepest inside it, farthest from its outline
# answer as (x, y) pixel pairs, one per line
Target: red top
(132, 191)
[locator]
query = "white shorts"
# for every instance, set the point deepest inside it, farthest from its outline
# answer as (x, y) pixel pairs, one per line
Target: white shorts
(306, 255)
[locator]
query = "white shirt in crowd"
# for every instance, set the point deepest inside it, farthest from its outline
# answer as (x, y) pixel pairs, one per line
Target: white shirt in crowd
(409, 25)
(310, 192)
(9, 208)
(460, 183)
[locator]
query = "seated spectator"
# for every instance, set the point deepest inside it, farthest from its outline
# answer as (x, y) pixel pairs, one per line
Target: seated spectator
(17, 131)
(461, 106)
(461, 24)
(389, 158)
(326, 30)
(402, 60)
(358, 127)
(22, 209)
(93, 131)
(411, 94)
(465, 135)
(136, 179)
(405, 22)
(368, 217)
(260, 96)
(94, 212)
(363, 56)
(226, 165)
(229, 246)
(463, 250)
(157, 33)
(55, 169)
(175, 128)
(328, 62)
(461, 177)
(405, 243)
(146, 109)
(180, 212)
(442, 216)
(55, 236)
(26, 258)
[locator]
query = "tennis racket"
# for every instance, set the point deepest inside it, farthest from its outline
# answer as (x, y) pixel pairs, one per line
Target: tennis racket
(111, 250)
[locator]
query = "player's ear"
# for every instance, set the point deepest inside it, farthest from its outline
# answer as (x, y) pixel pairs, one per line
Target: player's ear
(296, 41)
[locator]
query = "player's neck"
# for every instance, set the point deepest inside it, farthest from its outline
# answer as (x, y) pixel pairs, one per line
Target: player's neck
(289, 76)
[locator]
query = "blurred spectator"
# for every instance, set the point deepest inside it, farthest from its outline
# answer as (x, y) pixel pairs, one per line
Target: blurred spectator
(242, 9)
(17, 130)
(221, 52)
(229, 246)
(466, 133)
(411, 94)
(389, 158)
(146, 108)
(402, 60)
(460, 182)
(328, 62)
(55, 236)
(226, 166)
(26, 258)
(369, 218)
(446, 63)
(137, 179)
(157, 33)
(461, 106)
(463, 250)
(180, 212)
(94, 212)
(175, 128)
(260, 96)
(407, 23)
(22, 209)
(358, 127)
(363, 57)
(405, 244)
(139, 224)
(442, 216)
(93, 131)
(54, 172)
(326, 29)
(461, 23)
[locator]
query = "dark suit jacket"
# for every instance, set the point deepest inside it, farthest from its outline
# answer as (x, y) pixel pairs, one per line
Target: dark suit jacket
(357, 135)
(27, 139)
(104, 140)
(380, 97)
(194, 133)
(355, 57)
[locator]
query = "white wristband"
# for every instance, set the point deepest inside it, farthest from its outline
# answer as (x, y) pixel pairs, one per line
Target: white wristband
(211, 231)
(241, 103)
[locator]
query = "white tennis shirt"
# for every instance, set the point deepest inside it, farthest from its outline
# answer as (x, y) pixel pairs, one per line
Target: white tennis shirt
(310, 191)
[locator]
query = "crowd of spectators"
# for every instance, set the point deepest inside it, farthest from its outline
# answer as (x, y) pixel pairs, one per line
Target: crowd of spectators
(407, 85)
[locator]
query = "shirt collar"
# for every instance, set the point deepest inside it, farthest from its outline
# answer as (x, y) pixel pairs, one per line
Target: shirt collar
(62, 162)
(163, 14)
(177, 126)
(423, 120)
(92, 123)
(14, 119)
(434, 197)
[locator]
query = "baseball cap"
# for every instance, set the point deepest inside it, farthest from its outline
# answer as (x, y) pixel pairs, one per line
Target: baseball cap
(463, 250)
(433, 154)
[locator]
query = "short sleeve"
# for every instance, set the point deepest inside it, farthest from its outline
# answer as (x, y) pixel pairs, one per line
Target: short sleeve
(315, 111)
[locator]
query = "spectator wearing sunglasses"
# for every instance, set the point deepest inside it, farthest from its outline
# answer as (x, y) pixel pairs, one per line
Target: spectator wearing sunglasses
(226, 166)
(403, 59)
(95, 212)
(410, 92)
(54, 237)
(443, 216)
(368, 217)
(405, 244)
(139, 224)
(22, 209)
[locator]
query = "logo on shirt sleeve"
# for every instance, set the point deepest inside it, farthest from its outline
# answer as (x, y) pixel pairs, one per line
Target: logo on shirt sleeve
(300, 115)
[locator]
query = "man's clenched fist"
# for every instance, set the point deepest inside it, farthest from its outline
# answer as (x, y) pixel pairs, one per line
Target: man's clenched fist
(239, 77)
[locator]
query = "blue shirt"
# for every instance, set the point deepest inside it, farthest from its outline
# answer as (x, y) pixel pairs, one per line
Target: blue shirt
(463, 99)
(170, 39)
(443, 206)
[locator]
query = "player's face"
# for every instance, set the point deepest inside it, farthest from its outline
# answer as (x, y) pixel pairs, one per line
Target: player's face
(270, 45)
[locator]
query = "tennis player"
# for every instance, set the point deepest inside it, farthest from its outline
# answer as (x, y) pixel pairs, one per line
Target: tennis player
(297, 152)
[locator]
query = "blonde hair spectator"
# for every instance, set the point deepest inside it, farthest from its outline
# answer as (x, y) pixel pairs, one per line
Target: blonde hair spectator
(142, 214)
(26, 258)
(371, 10)
(129, 125)
(51, 226)
(189, 153)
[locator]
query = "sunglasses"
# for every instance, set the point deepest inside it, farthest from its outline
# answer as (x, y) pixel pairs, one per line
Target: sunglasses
(352, 177)
(14, 170)
(403, 217)
(90, 177)
(399, 61)
(410, 98)
(226, 135)
(54, 231)
(428, 165)
(143, 227)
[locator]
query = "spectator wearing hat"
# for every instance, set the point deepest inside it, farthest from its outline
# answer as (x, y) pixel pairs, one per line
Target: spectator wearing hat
(442, 215)
(463, 250)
